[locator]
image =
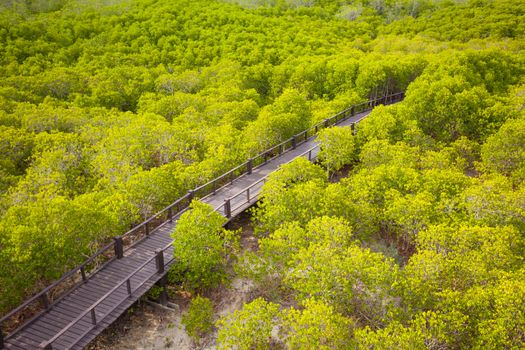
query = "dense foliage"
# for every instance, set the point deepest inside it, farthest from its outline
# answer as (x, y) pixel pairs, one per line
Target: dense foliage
(422, 245)
(199, 319)
(111, 110)
(201, 246)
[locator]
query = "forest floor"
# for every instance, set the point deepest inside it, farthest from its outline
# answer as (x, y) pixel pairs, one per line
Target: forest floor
(148, 326)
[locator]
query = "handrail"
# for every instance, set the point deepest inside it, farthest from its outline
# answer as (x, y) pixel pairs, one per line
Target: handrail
(226, 207)
(308, 151)
(91, 309)
(44, 291)
(81, 268)
(215, 183)
(42, 295)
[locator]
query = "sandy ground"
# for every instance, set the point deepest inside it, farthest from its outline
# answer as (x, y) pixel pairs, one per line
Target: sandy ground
(147, 327)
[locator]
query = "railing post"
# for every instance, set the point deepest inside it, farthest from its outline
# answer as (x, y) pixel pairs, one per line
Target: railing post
(352, 127)
(294, 142)
(45, 301)
(170, 214)
(128, 287)
(146, 228)
(93, 317)
(191, 195)
(249, 166)
(326, 123)
(352, 111)
(248, 195)
(163, 297)
(227, 208)
(119, 247)
(83, 273)
(159, 260)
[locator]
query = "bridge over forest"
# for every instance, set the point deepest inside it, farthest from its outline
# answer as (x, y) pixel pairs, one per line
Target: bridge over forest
(72, 311)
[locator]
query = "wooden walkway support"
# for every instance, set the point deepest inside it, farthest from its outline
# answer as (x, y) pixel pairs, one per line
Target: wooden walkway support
(117, 275)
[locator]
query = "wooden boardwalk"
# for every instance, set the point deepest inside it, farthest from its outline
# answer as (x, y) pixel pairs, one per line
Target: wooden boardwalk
(75, 319)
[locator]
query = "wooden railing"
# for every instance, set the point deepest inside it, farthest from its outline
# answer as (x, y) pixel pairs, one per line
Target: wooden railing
(156, 263)
(109, 252)
(250, 194)
(115, 250)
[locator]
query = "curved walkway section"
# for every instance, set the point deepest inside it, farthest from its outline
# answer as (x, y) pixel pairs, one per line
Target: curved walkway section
(99, 298)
